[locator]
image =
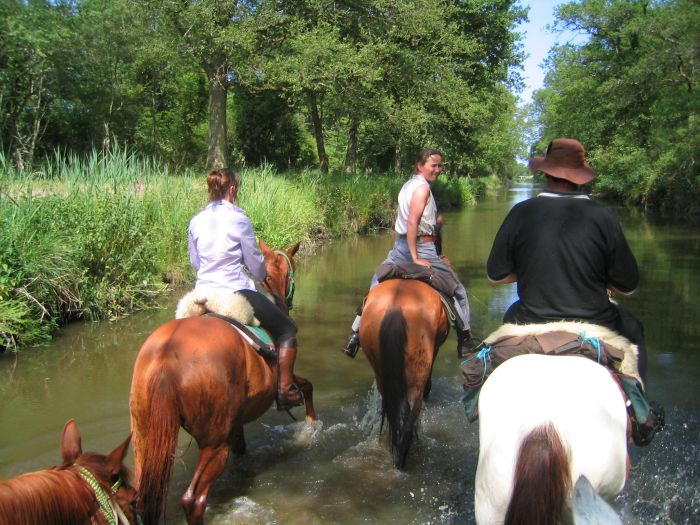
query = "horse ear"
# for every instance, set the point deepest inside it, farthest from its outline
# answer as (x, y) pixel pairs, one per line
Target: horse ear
(293, 249)
(116, 457)
(264, 247)
(71, 446)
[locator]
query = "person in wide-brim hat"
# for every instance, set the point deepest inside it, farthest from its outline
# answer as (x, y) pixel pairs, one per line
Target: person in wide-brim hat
(564, 159)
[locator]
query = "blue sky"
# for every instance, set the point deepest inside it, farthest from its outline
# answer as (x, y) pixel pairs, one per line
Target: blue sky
(537, 42)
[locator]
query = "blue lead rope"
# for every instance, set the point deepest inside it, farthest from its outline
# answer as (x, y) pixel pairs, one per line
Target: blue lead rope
(594, 342)
(482, 355)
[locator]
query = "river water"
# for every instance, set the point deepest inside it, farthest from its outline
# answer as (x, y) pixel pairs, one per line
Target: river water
(341, 471)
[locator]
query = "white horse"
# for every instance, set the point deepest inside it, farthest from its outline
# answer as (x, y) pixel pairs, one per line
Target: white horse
(544, 421)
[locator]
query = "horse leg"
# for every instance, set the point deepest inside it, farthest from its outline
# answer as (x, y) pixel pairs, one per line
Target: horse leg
(238, 440)
(308, 390)
(211, 463)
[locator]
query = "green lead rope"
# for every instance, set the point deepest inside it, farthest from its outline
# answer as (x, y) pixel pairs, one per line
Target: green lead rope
(102, 498)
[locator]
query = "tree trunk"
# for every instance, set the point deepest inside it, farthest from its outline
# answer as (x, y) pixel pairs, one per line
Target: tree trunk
(318, 132)
(218, 90)
(397, 157)
(350, 163)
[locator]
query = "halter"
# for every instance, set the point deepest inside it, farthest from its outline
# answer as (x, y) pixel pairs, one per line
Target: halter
(290, 285)
(110, 510)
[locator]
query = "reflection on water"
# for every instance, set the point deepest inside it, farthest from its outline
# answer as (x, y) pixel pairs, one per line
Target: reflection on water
(341, 471)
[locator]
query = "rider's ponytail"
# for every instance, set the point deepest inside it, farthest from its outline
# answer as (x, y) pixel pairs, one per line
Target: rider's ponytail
(219, 182)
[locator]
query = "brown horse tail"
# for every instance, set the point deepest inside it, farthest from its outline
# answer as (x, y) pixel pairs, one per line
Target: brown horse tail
(157, 434)
(395, 408)
(542, 479)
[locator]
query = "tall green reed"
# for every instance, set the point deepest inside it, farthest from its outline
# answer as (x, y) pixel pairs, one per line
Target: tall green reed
(100, 236)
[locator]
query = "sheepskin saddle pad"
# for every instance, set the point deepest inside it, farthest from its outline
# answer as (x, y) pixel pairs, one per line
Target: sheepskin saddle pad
(596, 342)
(566, 337)
(231, 307)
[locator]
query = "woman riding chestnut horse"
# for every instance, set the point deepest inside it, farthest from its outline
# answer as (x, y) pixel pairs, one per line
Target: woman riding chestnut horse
(200, 372)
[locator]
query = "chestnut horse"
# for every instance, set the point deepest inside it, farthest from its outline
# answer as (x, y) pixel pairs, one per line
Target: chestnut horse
(201, 374)
(88, 488)
(545, 422)
(403, 326)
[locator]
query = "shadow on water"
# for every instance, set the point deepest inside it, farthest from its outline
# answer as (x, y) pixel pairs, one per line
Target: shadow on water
(340, 471)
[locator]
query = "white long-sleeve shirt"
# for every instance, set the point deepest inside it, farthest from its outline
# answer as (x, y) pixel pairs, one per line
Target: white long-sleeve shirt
(223, 249)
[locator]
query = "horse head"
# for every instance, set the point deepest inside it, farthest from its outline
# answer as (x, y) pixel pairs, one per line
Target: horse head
(281, 268)
(107, 476)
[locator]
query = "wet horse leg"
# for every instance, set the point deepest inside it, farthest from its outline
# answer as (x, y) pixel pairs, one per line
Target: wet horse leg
(307, 389)
(238, 440)
(211, 463)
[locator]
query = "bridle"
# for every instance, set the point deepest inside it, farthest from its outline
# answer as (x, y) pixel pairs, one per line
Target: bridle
(290, 285)
(110, 509)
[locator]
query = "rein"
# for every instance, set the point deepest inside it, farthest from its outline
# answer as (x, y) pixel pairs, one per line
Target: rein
(291, 283)
(111, 511)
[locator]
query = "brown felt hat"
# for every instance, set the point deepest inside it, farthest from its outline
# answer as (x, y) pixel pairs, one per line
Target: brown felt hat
(564, 160)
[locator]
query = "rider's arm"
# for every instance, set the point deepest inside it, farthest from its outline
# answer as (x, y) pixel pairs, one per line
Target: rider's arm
(500, 267)
(510, 278)
(419, 199)
(622, 270)
(252, 256)
(192, 250)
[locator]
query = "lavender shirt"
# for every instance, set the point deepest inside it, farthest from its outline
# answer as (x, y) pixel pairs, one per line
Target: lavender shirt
(223, 249)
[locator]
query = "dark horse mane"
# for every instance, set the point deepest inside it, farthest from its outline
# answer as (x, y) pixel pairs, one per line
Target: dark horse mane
(395, 408)
(55, 496)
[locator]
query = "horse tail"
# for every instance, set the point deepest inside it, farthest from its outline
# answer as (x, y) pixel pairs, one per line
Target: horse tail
(395, 408)
(156, 430)
(542, 479)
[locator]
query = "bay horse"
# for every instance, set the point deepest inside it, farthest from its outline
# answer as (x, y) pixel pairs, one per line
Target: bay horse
(201, 374)
(544, 422)
(87, 489)
(403, 326)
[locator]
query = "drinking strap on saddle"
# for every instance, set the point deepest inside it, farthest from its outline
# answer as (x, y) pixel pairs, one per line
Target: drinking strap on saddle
(258, 338)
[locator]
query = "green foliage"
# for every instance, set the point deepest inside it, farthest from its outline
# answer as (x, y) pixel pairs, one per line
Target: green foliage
(101, 236)
(358, 203)
(629, 93)
(376, 80)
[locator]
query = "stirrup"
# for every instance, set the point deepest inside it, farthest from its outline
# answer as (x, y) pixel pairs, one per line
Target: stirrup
(284, 403)
(468, 345)
(352, 345)
(643, 433)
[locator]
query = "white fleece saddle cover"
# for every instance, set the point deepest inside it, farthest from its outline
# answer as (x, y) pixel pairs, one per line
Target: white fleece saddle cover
(628, 364)
(222, 302)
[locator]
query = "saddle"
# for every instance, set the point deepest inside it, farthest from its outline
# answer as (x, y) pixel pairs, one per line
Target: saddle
(233, 308)
(410, 270)
(606, 347)
(436, 279)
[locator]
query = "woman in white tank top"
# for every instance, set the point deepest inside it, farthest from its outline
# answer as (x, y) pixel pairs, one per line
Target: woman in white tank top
(415, 225)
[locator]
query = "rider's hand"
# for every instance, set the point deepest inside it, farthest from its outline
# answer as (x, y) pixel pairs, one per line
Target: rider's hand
(422, 262)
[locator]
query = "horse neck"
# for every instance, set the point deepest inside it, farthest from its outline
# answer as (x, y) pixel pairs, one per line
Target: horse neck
(50, 497)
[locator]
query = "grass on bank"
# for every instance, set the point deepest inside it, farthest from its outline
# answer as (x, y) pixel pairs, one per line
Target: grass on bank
(98, 237)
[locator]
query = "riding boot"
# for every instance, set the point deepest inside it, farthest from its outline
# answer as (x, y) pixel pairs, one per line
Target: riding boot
(352, 345)
(288, 393)
(643, 433)
(466, 343)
